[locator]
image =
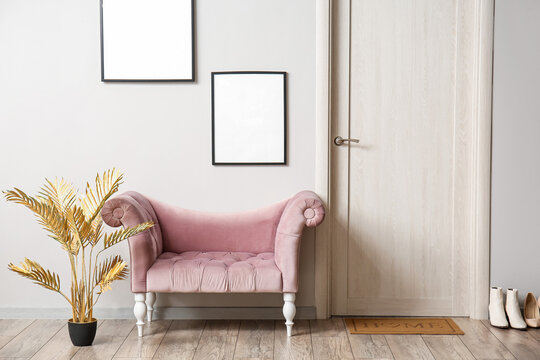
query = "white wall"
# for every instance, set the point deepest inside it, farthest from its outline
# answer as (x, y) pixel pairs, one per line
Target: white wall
(58, 119)
(515, 238)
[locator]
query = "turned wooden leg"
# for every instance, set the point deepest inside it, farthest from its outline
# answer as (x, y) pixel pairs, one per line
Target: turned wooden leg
(150, 301)
(140, 310)
(289, 310)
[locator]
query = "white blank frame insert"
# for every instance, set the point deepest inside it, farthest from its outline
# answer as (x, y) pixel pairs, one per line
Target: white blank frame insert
(249, 118)
(145, 40)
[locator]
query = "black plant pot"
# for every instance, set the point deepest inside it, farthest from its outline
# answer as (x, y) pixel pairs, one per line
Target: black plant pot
(82, 334)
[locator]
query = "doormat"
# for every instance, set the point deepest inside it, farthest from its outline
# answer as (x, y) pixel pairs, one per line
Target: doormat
(389, 326)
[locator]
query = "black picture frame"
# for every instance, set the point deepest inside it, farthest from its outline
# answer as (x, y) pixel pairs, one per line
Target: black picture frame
(285, 106)
(193, 57)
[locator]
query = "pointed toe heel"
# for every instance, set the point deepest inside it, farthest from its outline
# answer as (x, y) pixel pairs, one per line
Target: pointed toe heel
(531, 311)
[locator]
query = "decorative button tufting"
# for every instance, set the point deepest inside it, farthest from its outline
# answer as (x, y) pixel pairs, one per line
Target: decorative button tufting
(214, 272)
(309, 213)
(118, 213)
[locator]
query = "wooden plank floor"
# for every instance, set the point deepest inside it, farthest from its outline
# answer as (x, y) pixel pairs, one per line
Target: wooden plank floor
(249, 339)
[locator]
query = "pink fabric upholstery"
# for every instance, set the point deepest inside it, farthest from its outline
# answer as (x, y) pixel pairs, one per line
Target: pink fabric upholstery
(189, 230)
(192, 251)
(214, 272)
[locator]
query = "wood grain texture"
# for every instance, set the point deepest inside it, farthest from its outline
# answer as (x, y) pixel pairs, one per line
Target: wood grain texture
(447, 347)
(215, 347)
(222, 328)
(330, 327)
(297, 346)
(411, 80)
(339, 155)
(110, 336)
(11, 328)
(535, 333)
(146, 346)
(320, 339)
(328, 348)
(464, 142)
(369, 347)
(329, 339)
(481, 177)
(181, 340)
(218, 340)
(255, 340)
(522, 344)
(31, 339)
(112, 327)
(401, 109)
(58, 347)
(481, 342)
(408, 347)
(4, 340)
(322, 153)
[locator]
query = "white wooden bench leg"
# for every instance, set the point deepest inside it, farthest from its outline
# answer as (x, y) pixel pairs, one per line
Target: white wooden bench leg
(289, 310)
(150, 301)
(140, 310)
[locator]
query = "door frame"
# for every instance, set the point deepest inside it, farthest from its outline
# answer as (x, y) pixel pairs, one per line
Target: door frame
(474, 80)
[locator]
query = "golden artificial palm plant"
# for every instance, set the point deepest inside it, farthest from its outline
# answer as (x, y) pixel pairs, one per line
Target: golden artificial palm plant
(76, 223)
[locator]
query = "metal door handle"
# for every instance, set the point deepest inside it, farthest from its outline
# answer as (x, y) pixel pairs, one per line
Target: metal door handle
(338, 140)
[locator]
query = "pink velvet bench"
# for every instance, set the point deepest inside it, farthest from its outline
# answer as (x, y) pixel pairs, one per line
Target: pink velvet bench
(190, 251)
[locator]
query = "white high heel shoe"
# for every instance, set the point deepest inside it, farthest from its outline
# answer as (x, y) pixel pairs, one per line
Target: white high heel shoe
(497, 316)
(513, 311)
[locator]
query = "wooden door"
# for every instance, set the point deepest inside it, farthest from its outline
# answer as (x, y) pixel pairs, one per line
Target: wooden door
(398, 193)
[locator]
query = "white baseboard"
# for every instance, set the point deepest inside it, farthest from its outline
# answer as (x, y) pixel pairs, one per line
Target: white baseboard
(171, 313)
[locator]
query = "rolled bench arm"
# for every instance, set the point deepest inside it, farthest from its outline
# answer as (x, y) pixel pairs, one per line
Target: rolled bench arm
(130, 209)
(304, 209)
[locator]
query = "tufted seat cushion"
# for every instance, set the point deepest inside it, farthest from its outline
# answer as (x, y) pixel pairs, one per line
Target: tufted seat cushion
(214, 272)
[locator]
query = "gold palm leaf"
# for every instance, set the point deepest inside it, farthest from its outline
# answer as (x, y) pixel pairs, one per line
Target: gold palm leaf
(76, 241)
(47, 215)
(18, 196)
(33, 271)
(106, 186)
(80, 225)
(122, 234)
(108, 271)
(61, 193)
(96, 232)
(89, 232)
